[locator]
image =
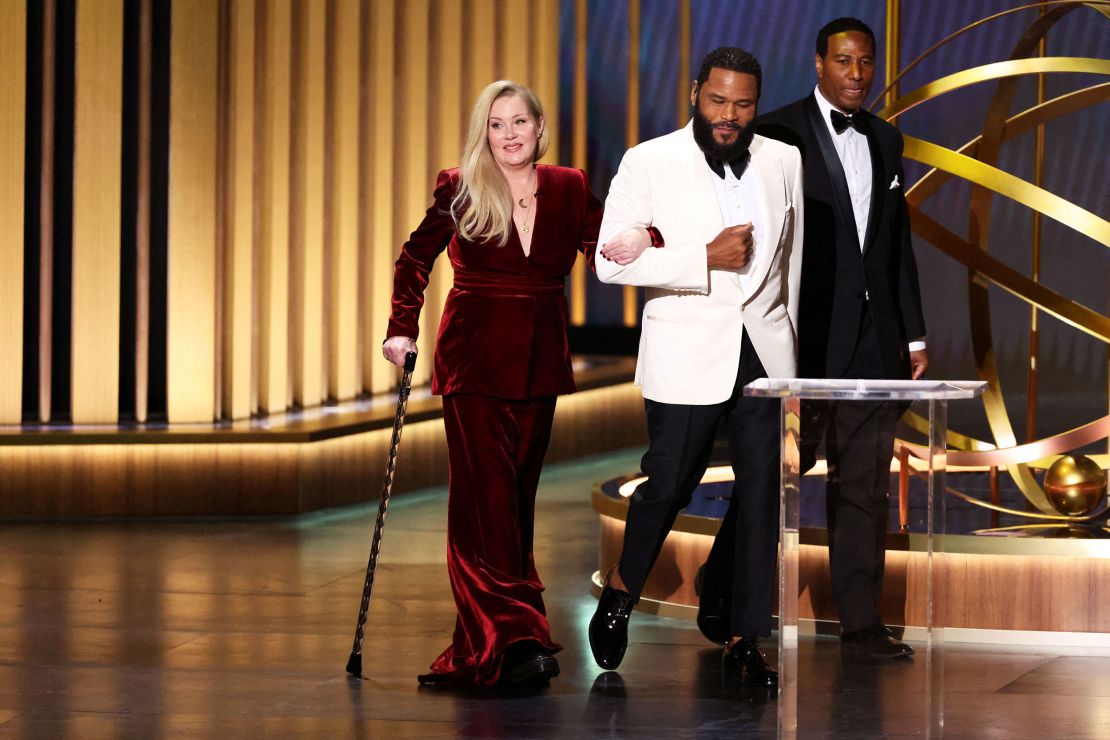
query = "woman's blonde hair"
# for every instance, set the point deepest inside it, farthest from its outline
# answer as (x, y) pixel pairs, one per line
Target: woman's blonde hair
(483, 207)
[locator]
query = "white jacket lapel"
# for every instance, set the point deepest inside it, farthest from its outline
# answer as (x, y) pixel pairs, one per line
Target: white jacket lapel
(773, 201)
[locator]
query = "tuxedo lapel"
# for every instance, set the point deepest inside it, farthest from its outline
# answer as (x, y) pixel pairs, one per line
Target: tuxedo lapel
(705, 208)
(878, 189)
(771, 189)
(698, 173)
(837, 180)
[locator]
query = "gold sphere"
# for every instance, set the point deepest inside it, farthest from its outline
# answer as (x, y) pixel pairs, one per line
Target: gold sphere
(1075, 485)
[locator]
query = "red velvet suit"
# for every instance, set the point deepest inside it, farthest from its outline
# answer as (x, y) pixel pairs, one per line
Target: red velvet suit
(501, 359)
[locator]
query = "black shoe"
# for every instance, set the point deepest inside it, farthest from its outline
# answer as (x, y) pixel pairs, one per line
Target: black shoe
(432, 679)
(747, 658)
(876, 641)
(609, 627)
(714, 618)
(527, 664)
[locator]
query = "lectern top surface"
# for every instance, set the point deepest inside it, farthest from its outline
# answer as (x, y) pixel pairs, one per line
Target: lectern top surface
(865, 390)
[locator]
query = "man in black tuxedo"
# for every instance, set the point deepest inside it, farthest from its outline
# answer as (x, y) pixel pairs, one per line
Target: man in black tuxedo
(860, 317)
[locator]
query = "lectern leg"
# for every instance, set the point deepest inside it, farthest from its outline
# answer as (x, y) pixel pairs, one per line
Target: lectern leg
(936, 568)
(789, 516)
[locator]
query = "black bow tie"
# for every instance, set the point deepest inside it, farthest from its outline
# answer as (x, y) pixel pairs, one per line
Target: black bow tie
(737, 166)
(842, 122)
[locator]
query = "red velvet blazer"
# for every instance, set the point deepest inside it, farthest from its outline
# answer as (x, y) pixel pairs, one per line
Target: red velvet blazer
(504, 327)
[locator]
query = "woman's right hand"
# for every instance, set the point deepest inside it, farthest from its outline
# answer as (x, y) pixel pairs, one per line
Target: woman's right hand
(395, 349)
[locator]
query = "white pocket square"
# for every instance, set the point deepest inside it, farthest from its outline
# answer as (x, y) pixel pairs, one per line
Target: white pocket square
(894, 183)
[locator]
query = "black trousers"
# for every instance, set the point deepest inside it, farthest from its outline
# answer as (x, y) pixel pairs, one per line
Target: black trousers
(680, 445)
(859, 444)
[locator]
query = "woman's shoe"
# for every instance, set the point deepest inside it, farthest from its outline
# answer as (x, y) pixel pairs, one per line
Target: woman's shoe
(527, 664)
(432, 679)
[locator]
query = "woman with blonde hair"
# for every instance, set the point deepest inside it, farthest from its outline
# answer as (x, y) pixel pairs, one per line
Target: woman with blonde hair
(512, 229)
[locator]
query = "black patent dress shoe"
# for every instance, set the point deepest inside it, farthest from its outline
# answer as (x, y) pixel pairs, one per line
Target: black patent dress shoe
(745, 658)
(876, 642)
(609, 627)
(527, 664)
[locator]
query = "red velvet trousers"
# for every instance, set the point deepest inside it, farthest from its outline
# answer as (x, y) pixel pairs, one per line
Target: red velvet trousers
(495, 453)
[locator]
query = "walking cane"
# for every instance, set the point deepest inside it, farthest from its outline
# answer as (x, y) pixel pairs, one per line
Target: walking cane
(354, 663)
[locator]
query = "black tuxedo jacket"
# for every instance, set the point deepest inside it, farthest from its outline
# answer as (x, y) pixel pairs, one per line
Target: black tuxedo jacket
(836, 273)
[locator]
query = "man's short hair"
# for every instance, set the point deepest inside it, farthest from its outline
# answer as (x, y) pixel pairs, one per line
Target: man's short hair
(842, 25)
(733, 59)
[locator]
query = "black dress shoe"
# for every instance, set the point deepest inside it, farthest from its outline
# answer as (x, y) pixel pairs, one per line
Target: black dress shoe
(876, 641)
(746, 657)
(527, 664)
(609, 627)
(432, 679)
(714, 617)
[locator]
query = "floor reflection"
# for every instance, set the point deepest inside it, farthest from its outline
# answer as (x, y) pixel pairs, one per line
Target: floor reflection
(222, 628)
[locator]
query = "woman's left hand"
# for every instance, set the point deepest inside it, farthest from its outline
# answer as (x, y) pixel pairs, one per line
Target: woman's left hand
(395, 349)
(627, 246)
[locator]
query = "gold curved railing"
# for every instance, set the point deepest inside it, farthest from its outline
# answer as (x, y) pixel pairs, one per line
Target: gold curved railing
(976, 162)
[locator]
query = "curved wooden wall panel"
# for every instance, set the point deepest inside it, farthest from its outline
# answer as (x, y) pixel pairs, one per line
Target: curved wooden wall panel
(243, 174)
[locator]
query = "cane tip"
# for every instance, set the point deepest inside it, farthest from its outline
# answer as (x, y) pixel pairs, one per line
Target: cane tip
(354, 664)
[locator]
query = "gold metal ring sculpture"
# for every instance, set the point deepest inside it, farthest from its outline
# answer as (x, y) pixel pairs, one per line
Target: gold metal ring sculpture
(976, 162)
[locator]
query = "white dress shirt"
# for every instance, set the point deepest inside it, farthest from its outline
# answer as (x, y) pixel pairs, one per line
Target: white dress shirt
(855, 158)
(739, 203)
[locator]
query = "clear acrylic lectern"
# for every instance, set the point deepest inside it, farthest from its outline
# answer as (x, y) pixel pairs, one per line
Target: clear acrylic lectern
(936, 394)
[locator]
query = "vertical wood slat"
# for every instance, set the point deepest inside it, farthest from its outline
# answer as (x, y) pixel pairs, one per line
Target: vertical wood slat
(445, 146)
(273, 289)
(413, 174)
(368, 358)
(481, 24)
(341, 257)
(544, 65)
(513, 41)
(237, 169)
(96, 210)
(141, 360)
(13, 72)
(191, 237)
(383, 244)
(46, 208)
(307, 208)
(578, 157)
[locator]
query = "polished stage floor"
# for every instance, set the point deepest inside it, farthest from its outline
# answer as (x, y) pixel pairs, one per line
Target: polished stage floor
(242, 628)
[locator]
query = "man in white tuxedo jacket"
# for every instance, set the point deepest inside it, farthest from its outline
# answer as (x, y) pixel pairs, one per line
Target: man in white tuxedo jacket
(721, 310)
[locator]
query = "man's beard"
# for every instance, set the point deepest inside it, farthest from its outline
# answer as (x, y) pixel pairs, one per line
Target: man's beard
(703, 135)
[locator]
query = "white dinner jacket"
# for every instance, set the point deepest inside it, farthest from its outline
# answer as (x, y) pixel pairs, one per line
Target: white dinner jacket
(693, 317)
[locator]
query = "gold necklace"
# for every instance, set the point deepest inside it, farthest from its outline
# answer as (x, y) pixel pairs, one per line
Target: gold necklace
(524, 206)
